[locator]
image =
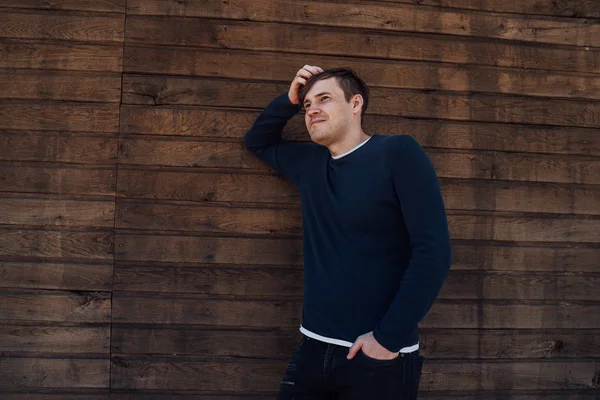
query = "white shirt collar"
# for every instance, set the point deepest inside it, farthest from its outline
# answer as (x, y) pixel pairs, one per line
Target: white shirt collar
(348, 152)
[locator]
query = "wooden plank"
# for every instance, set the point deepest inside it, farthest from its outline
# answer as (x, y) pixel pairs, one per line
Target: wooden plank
(59, 116)
(376, 72)
(481, 195)
(284, 282)
(565, 229)
(508, 344)
(277, 222)
(57, 179)
(288, 283)
(31, 394)
(385, 17)
(84, 27)
(71, 340)
(450, 164)
(165, 248)
(238, 221)
(162, 184)
(55, 372)
(56, 275)
(188, 342)
(19, 243)
(200, 250)
(117, 6)
(524, 286)
(53, 211)
(76, 306)
(160, 90)
(201, 311)
(565, 8)
(491, 195)
(70, 56)
(64, 86)
(214, 123)
(32, 146)
(527, 258)
(259, 377)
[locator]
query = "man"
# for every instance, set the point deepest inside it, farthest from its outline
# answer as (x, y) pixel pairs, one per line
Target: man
(375, 241)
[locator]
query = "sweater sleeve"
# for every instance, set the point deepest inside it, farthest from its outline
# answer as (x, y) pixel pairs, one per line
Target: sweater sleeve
(418, 191)
(264, 139)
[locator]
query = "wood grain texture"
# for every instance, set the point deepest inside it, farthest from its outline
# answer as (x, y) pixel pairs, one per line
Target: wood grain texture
(384, 17)
(450, 164)
(160, 90)
(376, 72)
(257, 377)
(219, 124)
(288, 283)
(59, 116)
(33, 146)
(238, 221)
(55, 306)
(45, 394)
(45, 243)
(63, 86)
(55, 211)
(117, 6)
(56, 275)
(83, 27)
(80, 180)
(459, 194)
(190, 342)
(55, 372)
(31, 339)
(565, 8)
(489, 314)
(71, 56)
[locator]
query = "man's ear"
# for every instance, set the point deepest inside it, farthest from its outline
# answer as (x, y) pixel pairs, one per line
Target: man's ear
(357, 103)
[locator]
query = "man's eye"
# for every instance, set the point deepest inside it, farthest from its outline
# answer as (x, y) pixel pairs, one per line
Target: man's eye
(324, 97)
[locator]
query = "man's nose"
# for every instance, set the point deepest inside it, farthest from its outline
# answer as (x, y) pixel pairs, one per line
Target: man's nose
(313, 111)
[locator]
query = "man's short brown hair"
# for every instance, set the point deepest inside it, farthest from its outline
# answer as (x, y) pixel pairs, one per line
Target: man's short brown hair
(349, 82)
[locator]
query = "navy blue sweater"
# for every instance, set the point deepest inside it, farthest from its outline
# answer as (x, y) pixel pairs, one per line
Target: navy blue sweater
(375, 233)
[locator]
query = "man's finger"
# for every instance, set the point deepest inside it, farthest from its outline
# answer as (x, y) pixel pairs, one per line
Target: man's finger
(353, 350)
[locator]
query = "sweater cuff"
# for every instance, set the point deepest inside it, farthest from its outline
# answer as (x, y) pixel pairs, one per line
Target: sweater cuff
(398, 341)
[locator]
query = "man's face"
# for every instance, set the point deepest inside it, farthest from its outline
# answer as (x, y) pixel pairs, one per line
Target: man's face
(328, 115)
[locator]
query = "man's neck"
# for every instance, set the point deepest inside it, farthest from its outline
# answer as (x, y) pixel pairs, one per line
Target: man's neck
(348, 142)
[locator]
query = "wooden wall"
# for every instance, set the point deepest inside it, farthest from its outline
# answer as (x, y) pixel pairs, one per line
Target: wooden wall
(144, 254)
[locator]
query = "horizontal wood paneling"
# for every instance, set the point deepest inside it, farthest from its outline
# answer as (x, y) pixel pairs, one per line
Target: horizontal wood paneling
(48, 178)
(71, 56)
(255, 251)
(37, 146)
(256, 377)
(70, 340)
(117, 6)
(196, 310)
(280, 282)
(64, 86)
(55, 306)
(16, 210)
(161, 90)
(55, 372)
(378, 73)
(56, 275)
(219, 124)
(39, 243)
(73, 394)
(59, 116)
(189, 342)
(85, 27)
(452, 164)
(565, 8)
(385, 17)
(489, 195)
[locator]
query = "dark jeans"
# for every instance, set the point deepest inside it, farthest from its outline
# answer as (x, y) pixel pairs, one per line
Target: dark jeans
(319, 371)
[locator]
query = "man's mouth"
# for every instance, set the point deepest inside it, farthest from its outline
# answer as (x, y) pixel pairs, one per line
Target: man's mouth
(316, 121)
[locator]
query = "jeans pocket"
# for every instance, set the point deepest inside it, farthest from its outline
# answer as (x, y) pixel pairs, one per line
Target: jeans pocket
(376, 361)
